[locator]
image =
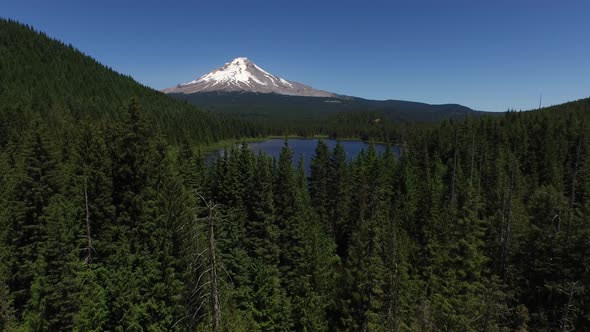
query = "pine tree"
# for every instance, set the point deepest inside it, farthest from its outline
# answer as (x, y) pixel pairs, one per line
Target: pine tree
(33, 189)
(319, 181)
(142, 234)
(316, 272)
(191, 167)
(56, 292)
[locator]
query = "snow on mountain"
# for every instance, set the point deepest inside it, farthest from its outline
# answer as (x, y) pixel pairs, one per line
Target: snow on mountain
(241, 74)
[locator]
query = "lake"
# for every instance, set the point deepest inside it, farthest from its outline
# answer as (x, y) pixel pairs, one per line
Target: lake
(306, 148)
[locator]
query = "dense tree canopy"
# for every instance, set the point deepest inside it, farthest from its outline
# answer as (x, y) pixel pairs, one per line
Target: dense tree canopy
(120, 225)
(480, 224)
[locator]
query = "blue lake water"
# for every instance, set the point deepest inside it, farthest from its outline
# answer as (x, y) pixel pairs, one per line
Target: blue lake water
(306, 148)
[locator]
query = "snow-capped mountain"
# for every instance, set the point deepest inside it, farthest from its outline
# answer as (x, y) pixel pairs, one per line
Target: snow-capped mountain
(241, 74)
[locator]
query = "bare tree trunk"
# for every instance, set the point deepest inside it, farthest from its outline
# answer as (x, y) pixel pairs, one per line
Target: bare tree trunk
(570, 294)
(506, 239)
(89, 248)
(215, 310)
(453, 198)
(212, 262)
(573, 191)
(472, 159)
(479, 174)
(394, 278)
(501, 232)
(205, 264)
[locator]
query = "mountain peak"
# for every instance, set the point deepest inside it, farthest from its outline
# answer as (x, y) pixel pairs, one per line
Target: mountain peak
(243, 75)
(240, 60)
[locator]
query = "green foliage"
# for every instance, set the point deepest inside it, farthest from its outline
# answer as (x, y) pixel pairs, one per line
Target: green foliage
(481, 224)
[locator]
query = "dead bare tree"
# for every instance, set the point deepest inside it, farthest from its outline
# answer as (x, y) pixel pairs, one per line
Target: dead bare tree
(89, 248)
(205, 264)
(472, 159)
(573, 189)
(453, 198)
(479, 174)
(501, 232)
(571, 288)
(214, 294)
(507, 228)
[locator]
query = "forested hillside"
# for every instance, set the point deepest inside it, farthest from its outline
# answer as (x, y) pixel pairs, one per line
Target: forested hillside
(43, 75)
(271, 106)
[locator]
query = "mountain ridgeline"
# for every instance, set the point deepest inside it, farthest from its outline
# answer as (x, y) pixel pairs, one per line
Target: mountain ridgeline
(110, 219)
(241, 88)
(272, 106)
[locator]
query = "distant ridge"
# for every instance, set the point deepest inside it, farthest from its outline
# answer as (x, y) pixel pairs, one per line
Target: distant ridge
(244, 89)
(250, 105)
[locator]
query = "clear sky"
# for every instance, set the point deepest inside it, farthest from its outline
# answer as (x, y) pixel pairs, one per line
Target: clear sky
(490, 55)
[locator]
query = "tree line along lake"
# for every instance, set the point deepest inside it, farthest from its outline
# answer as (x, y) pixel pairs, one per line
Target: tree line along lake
(305, 148)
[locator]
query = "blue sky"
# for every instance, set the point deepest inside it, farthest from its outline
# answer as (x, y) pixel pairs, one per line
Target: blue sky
(488, 55)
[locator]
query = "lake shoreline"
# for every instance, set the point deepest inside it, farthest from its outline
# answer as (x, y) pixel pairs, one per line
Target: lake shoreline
(209, 148)
(304, 149)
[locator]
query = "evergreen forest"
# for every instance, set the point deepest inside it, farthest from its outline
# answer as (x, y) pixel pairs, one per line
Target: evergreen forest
(112, 220)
